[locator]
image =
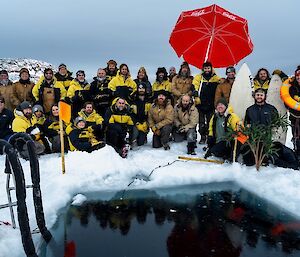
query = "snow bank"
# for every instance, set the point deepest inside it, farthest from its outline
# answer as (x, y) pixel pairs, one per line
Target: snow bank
(104, 170)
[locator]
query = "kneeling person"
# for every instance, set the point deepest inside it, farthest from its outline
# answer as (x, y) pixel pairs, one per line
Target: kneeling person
(186, 118)
(223, 119)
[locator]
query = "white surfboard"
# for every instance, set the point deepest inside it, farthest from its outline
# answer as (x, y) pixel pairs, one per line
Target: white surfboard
(241, 92)
(273, 97)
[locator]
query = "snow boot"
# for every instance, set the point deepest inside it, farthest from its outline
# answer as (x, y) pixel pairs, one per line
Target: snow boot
(166, 147)
(191, 148)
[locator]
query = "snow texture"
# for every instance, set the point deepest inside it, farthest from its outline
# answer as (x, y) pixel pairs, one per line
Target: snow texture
(13, 67)
(105, 170)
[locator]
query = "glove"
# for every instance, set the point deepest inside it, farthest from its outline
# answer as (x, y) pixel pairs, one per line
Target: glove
(143, 127)
(182, 129)
(35, 131)
(195, 93)
(297, 98)
(197, 101)
(210, 141)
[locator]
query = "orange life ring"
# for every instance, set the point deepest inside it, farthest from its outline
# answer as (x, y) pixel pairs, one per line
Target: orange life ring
(286, 97)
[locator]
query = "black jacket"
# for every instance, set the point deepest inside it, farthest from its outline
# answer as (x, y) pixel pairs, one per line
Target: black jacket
(6, 118)
(260, 114)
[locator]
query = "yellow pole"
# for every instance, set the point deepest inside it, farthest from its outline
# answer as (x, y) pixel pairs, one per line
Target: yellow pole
(234, 149)
(199, 159)
(62, 146)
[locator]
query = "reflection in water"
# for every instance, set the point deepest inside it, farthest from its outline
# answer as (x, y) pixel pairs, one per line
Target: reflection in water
(143, 223)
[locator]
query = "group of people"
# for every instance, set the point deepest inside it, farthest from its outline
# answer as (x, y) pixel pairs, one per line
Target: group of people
(118, 110)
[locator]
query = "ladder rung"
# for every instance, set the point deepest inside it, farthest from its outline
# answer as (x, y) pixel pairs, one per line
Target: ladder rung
(2, 206)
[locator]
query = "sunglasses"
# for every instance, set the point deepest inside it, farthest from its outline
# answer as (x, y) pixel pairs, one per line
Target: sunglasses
(48, 73)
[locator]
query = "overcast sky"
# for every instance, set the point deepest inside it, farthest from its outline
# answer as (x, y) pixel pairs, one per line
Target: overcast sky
(85, 34)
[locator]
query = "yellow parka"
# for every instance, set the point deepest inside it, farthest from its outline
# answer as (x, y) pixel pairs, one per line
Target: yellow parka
(76, 86)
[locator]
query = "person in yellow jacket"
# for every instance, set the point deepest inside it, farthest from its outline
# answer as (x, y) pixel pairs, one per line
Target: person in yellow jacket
(81, 139)
(119, 122)
(262, 79)
(23, 123)
(47, 91)
(140, 109)
(93, 119)
(204, 90)
(64, 76)
(78, 92)
(161, 83)
(122, 84)
(219, 125)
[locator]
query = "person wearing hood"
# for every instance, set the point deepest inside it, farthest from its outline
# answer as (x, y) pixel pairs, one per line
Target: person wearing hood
(6, 119)
(78, 92)
(186, 119)
(47, 91)
(224, 88)
(93, 119)
(161, 83)
(23, 123)
(222, 119)
(64, 76)
(182, 82)
(22, 89)
(122, 84)
(81, 139)
(6, 89)
(100, 93)
(142, 77)
(111, 70)
(160, 119)
(119, 122)
(204, 89)
(140, 109)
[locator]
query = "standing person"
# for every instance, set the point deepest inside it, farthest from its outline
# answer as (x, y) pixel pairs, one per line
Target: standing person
(47, 91)
(111, 70)
(161, 83)
(222, 119)
(78, 92)
(81, 139)
(208, 80)
(224, 88)
(22, 90)
(182, 82)
(160, 119)
(186, 119)
(23, 123)
(6, 119)
(64, 76)
(100, 93)
(140, 110)
(119, 122)
(93, 119)
(142, 77)
(122, 84)
(262, 79)
(6, 89)
(172, 73)
(51, 130)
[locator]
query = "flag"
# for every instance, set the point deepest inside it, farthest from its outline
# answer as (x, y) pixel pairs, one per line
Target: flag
(64, 111)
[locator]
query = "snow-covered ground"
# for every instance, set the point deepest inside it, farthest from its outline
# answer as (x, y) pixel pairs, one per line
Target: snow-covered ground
(104, 170)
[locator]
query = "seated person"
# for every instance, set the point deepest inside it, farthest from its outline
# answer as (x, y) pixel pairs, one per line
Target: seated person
(23, 123)
(93, 119)
(223, 119)
(52, 130)
(81, 138)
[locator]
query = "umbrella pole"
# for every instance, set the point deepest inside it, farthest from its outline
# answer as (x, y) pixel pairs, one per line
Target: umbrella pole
(206, 57)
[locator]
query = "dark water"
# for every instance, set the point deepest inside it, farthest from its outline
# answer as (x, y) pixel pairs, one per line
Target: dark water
(210, 220)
